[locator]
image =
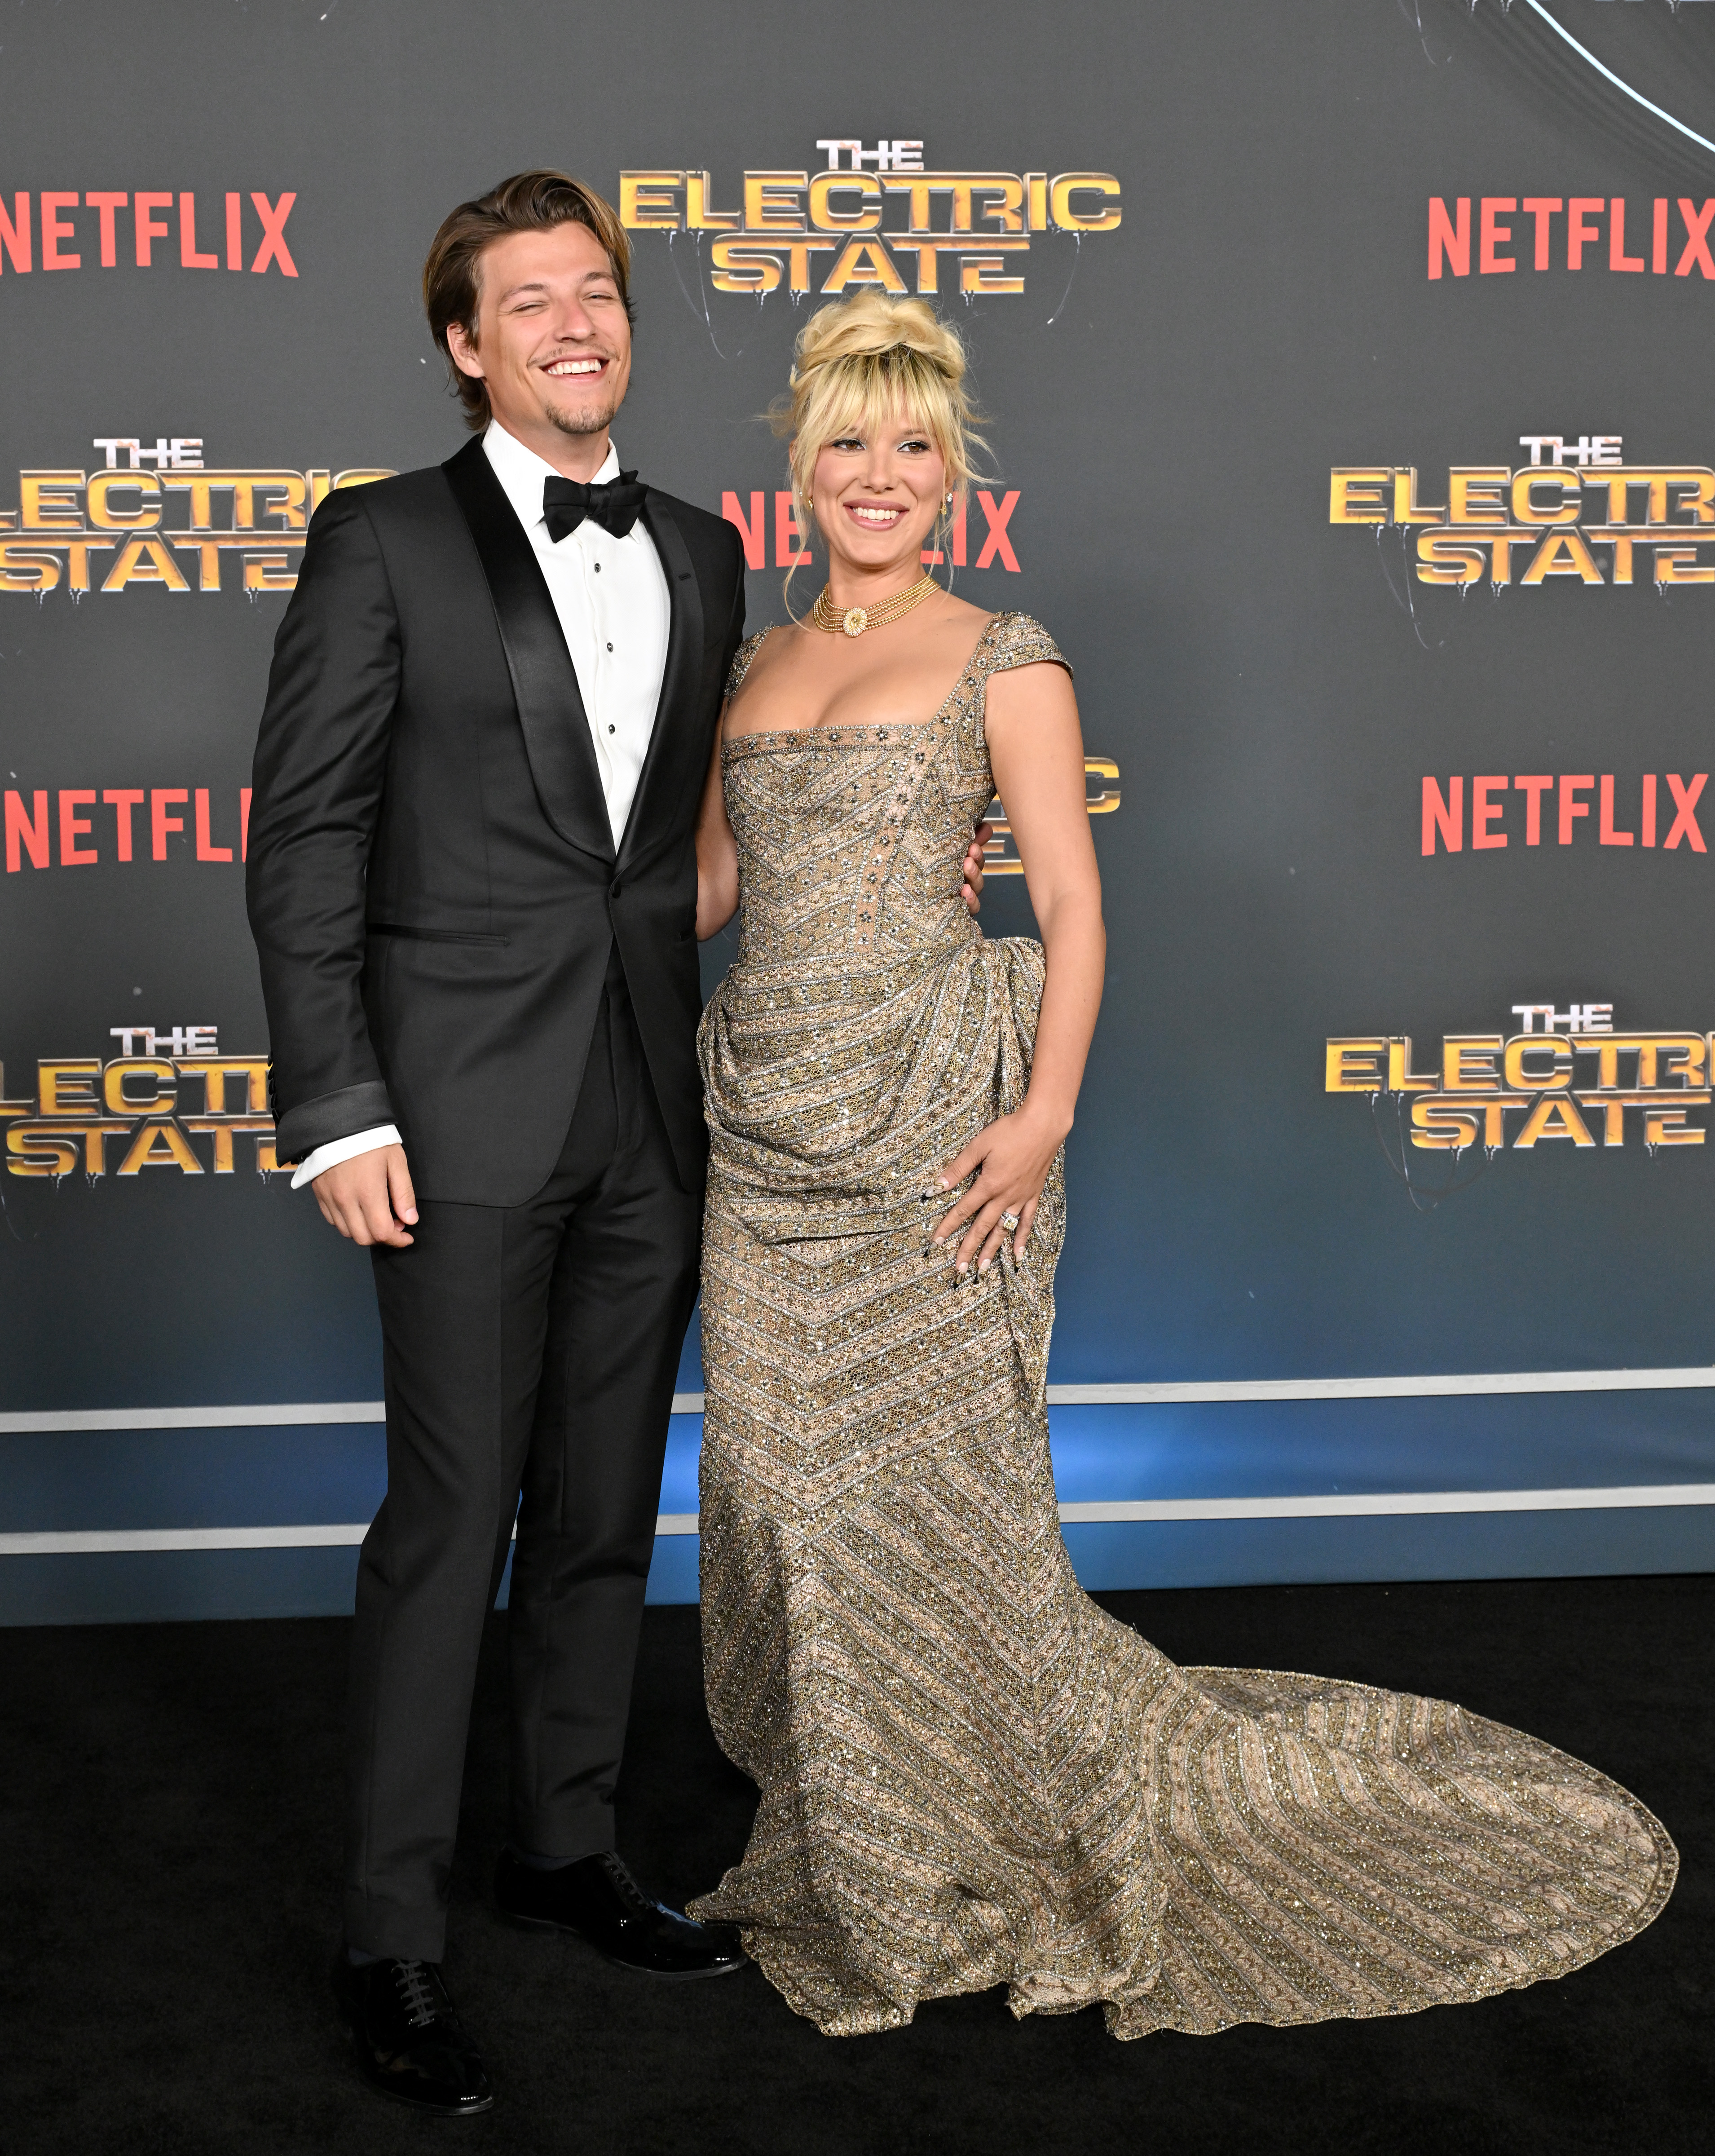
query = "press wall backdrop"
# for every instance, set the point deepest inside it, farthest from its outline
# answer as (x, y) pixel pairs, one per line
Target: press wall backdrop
(1347, 372)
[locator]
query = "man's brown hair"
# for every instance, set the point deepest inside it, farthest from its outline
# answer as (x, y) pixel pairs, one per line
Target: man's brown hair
(529, 202)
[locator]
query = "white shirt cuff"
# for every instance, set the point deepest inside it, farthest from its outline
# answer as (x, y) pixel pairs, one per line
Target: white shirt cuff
(329, 1156)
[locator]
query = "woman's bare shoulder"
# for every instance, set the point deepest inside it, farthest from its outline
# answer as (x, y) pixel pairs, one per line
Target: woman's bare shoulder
(957, 618)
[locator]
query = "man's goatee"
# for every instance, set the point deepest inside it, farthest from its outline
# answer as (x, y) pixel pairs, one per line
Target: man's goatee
(590, 421)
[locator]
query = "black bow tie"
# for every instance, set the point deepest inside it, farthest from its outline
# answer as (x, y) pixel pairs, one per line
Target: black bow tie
(566, 503)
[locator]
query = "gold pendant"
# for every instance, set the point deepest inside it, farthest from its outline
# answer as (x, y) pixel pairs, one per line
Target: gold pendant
(854, 621)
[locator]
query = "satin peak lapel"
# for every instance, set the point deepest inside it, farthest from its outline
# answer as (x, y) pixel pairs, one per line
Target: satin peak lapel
(675, 752)
(550, 706)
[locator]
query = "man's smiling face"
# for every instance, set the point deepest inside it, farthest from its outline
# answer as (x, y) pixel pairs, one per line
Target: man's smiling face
(553, 344)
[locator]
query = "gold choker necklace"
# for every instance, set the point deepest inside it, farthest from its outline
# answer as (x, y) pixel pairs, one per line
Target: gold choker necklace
(852, 621)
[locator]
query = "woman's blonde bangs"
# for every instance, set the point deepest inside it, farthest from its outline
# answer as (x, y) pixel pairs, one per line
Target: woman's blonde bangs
(868, 390)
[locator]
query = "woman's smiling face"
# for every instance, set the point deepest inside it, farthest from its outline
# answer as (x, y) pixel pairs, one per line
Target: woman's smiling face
(877, 492)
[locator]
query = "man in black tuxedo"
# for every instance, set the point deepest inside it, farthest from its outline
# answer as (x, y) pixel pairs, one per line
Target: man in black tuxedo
(473, 888)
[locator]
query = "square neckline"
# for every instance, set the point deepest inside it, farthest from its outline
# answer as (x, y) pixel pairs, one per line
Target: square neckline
(732, 743)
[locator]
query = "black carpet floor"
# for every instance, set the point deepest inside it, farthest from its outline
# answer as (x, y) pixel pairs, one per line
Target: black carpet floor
(168, 1890)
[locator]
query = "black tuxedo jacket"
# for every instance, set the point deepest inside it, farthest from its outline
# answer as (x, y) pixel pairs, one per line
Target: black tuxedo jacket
(431, 880)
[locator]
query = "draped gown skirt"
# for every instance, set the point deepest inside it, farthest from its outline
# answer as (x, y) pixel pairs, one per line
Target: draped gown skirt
(970, 1774)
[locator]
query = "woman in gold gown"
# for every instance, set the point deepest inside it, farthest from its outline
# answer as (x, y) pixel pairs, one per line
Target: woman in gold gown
(971, 1775)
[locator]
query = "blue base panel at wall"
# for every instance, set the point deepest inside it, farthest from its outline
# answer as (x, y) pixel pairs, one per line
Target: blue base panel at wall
(310, 1476)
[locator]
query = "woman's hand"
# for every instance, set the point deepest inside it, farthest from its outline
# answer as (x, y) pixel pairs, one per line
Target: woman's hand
(1011, 1160)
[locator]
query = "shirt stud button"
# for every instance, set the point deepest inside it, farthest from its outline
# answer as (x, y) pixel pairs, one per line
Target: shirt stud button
(610, 647)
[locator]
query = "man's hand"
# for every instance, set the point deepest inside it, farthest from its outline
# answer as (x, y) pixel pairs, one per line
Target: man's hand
(369, 1199)
(971, 892)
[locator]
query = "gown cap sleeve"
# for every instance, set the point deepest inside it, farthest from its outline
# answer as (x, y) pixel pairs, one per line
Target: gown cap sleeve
(1019, 640)
(741, 661)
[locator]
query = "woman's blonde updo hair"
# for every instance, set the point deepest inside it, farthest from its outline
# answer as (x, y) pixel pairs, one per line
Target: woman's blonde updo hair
(864, 360)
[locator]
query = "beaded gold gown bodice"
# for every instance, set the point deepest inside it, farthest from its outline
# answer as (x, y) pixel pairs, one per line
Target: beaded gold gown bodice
(970, 1774)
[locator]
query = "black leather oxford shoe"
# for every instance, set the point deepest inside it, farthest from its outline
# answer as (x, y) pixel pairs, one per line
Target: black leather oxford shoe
(410, 2045)
(598, 1898)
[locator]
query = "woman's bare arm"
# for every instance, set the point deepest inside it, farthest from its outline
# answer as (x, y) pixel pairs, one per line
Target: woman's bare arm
(717, 852)
(1036, 750)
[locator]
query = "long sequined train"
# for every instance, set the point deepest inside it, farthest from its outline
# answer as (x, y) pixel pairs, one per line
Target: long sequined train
(971, 1775)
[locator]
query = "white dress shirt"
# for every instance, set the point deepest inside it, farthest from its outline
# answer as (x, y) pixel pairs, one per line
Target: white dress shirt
(610, 596)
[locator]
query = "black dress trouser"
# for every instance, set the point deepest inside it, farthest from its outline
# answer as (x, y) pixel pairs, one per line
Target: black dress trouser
(530, 1351)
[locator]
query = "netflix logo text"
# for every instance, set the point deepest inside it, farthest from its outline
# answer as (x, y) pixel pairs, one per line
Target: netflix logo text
(757, 526)
(1567, 809)
(79, 231)
(81, 827)
(1573, 232)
